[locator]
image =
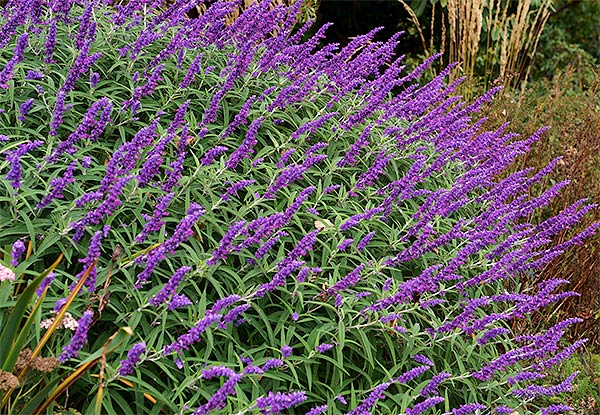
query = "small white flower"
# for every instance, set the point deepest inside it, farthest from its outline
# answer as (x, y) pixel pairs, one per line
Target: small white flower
(68, 322)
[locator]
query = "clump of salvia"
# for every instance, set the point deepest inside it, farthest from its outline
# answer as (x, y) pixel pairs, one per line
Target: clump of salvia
(304, 228)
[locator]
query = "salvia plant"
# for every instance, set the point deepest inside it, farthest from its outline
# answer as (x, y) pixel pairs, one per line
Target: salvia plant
(215, 216)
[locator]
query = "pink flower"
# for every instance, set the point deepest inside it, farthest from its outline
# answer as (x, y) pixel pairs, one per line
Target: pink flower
(6, 274)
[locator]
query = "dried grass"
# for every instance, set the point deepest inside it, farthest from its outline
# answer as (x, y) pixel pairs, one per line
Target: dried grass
(511, 37)
(574, 115)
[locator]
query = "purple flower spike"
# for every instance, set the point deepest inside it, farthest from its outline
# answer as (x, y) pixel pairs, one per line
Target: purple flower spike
(362, 244)
(133, 358)
(318, 410)
(17, 250)
(45, 284)
(322, 348)
(468, 409)
(25, 108)
(170, 288)
(14, 158)
(179, 301)
(79, 338)
(425, 405)
(33, 75)
(94, 79)
(286, 351)
(345, 244)
(275, 403)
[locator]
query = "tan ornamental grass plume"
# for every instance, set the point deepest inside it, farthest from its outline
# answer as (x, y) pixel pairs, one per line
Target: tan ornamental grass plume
(511, 38)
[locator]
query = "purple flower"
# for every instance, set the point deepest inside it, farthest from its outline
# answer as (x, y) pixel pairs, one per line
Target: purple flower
(317, 410)
(212, 154)
(431, 387)
(217, 401)
(312, 126)
(295, 316)
(225, 245)
(92, 256)
(79, 337)
(555, 409)
(14, 158)
(425, 405)
(246, 148)
(331, 188)
(144, 90)
(286, 351)
(155, 222)
(50, 42)
(235, 313)
(533, 391)
(341, 399)
(192, 71)
(285, 156)
(372, 174)
(339, 300)
(322, 348)
(169, 289)
(468, 409)
(225, 302)
(45, 284)
(217, 372)
(490, 334)
(272, 363)
(366, 405)
(89, 128)
(348, 281)
(16, 252)
(419, 358)
(133, 358)
(236, 187)
(412, 373)
(25, 108)
(362, 244)
(18, 54)
(178, 301)
(33, 75)
(94, 79)
(57, 116)
(82, 64)
(345, 244)
(274, 403)
(182, 232)
(352, 154)
(524, 376)
(184, 341)
(58, 185)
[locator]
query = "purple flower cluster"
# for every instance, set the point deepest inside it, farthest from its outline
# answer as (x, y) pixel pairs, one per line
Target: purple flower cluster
(14, 175)
(133, 358)
(16, 252)
(182, 232)
(7, 72)
(25, 108)
(79, 337)
(169, 290)
(275, 403)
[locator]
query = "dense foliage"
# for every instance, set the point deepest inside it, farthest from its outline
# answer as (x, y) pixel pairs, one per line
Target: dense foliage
(278, 226)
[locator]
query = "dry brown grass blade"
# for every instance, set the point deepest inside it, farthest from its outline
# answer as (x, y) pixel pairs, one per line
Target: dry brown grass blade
(415, 20)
